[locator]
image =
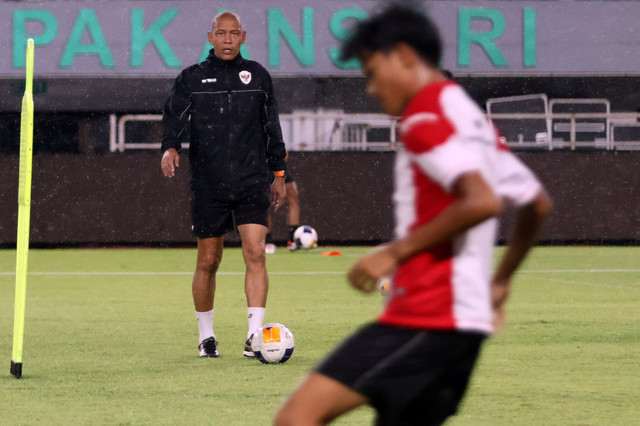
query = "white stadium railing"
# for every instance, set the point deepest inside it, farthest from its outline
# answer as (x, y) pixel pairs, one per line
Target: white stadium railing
(573, 125)
(302, 130)
(337, 131)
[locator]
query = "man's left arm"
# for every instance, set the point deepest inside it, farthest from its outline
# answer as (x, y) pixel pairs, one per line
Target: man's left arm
(275, 148)
(278, 191)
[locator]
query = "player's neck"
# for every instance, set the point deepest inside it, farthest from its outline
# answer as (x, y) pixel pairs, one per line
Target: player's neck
(423, 77)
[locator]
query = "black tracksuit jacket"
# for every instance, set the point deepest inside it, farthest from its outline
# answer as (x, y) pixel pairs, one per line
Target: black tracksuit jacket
(229, 111)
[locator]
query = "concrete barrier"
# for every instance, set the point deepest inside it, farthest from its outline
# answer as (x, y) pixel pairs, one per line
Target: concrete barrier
(346, 196)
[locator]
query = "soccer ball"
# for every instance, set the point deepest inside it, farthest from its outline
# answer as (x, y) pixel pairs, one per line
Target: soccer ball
(305, 237)
(273, 343)
(384, 285)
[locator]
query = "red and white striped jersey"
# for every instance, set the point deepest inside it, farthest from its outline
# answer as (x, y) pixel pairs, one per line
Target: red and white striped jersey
(444, 134)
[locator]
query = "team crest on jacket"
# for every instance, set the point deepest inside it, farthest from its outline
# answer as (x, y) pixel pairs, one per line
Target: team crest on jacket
(245, 77)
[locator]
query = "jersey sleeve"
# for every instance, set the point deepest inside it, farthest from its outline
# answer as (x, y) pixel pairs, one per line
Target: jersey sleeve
(517, 185)
(438, 139)
(445, 163)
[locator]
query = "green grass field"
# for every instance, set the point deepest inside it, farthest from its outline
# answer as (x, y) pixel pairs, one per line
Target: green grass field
(110, 338)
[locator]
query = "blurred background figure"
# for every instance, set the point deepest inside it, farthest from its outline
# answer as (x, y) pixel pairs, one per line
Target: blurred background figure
(293, 213)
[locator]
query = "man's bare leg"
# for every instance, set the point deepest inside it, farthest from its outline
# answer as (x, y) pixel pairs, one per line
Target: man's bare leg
(318, 401)
(203, 289)
(204, 278)
(256, 280)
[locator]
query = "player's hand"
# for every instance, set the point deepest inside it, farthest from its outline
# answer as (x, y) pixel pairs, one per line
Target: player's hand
(499, 294)
(170, 160)
(278, 192)
(364, 275)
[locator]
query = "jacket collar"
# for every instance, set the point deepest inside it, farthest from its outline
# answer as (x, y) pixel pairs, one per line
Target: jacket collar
(217, 61)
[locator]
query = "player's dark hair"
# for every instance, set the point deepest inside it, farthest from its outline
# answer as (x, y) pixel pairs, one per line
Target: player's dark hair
(395, 24)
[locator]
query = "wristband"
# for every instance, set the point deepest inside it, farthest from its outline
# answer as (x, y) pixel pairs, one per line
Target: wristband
(279, 173)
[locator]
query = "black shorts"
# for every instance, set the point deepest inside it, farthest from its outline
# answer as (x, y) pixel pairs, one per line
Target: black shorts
(214, 212)
(410, 376)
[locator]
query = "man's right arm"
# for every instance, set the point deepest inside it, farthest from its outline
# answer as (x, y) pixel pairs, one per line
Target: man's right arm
(175, 118)
(170, 161)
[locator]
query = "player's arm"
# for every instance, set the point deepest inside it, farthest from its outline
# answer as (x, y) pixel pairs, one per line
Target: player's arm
(169, 162)
(530, 219)
(474, 202)
(278, 190)
(275, 147)
(175, 118)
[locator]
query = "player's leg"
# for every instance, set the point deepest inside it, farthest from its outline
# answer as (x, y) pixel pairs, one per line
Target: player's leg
(251, 216)
(204, 278)
(256, 279)
(332, 388)
(293, 211)
(269, 246)
(203, 289)
(212, 218)
(318, 401)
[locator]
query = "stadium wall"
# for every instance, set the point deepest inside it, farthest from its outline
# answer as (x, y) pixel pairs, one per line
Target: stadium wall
(125, 200)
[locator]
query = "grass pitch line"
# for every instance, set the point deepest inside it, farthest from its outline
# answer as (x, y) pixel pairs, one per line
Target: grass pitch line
(160, 273)
(107, 273)
(169, 273)
(571, 271)
(603, 285)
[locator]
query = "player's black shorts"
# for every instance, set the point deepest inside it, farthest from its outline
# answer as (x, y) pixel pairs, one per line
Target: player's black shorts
(214, 212)
(410, 376)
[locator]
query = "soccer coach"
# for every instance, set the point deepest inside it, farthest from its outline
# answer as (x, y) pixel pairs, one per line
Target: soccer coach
(236, 158)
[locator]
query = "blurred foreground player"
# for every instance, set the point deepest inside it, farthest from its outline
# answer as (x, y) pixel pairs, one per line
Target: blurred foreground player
(451, 180)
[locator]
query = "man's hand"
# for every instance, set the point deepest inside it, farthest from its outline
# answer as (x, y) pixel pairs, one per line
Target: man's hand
(364, 275)
(170, 160)
(278, 192)
(499, 294)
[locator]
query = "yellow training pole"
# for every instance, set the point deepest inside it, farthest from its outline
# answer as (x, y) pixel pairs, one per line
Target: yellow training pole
(24, 214)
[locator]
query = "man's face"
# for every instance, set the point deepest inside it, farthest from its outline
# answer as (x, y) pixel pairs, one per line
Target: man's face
(226, 37)
(388, 81)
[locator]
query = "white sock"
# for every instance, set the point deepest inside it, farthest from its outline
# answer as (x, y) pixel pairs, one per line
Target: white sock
(205, 324)
(256, 317)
